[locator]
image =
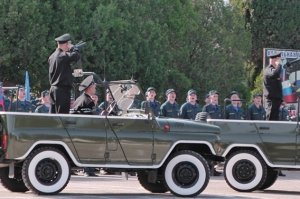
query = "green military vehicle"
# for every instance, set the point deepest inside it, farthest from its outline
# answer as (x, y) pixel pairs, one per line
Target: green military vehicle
(38, 151)
(256, 151)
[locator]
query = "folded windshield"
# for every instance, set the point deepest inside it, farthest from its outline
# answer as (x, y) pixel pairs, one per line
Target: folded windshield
(127, 94)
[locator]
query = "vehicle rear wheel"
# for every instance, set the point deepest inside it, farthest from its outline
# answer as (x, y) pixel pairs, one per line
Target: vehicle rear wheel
(15, 184)
(245, 171)
(157, 187)
(46, 171)
(271, 178)
(186, 173)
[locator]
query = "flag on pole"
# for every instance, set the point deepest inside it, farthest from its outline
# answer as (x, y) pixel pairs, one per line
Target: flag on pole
(27, 87)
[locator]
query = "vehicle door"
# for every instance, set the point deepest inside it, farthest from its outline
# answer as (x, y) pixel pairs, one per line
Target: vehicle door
(131, 132)
(279, 141)
(133, 137)
(88, 134)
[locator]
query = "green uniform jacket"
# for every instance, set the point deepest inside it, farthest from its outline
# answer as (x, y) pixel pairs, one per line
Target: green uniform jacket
(255, 113)
(169, 110)
(189, 111)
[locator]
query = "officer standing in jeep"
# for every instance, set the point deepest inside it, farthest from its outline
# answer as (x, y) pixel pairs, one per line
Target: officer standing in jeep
(273, 87)
(60, 74)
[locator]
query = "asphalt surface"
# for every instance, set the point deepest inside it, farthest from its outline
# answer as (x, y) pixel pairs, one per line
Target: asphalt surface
(116, 186)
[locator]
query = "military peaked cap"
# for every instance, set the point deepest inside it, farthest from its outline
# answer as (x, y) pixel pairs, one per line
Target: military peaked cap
(274, 54)
(233, 93)
(191, 91)
(170, 91)
(257, 95)
(63, 38)
(86, 83)
(213, 92)
(151, 89)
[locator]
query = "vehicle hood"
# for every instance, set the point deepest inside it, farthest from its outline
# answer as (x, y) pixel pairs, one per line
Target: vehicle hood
(190, 126)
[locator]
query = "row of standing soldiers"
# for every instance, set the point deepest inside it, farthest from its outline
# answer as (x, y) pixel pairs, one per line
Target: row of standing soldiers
(191, 107)
(20, 104)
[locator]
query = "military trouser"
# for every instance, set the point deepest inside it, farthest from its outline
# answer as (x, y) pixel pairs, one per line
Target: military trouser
(60, 99)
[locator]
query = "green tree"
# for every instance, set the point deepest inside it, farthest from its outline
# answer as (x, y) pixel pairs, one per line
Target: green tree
(165, 43)
(273, 24)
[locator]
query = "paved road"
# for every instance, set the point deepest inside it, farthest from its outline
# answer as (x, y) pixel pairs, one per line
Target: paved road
(114, 186)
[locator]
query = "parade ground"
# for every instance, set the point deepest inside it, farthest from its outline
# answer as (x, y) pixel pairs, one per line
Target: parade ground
(116, 186)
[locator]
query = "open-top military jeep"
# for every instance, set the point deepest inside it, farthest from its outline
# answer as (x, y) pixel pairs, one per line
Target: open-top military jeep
(38, 150)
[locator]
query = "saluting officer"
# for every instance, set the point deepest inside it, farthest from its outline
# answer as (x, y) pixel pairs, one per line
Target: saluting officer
(256, 111)
(151, 102)
(86, 102)
(190, 108)
(170, 108)
(273, 87)
(213, 108)
(60, 74)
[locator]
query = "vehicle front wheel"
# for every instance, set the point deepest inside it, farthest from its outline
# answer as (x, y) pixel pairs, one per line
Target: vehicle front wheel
(46, 171)
(186, 173)
(245, 171)
(15, 184)
(157, 187)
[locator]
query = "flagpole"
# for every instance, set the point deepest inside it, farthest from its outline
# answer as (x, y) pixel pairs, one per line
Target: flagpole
(27, 87)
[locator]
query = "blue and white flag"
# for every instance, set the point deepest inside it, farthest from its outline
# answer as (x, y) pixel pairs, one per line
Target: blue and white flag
(27, 87)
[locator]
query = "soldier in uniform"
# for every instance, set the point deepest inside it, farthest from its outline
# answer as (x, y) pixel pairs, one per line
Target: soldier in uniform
(283, 112)
(44, 105)
(213, 108)
(86, 102)
(60, 74)
(214, 111)
(21, 104)
(256, 111)
(272, 87)
(234, 111)
(170, 108)
(151, 102)
(190, 109)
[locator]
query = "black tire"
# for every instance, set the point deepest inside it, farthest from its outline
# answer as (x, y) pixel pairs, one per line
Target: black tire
(271, 178)
(245, 171)
(15, 184)
(157, 187)
(186, 173)
(46, 171)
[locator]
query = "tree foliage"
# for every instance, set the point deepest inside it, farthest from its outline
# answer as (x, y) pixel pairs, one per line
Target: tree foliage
(273, 24)
(176, 44)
